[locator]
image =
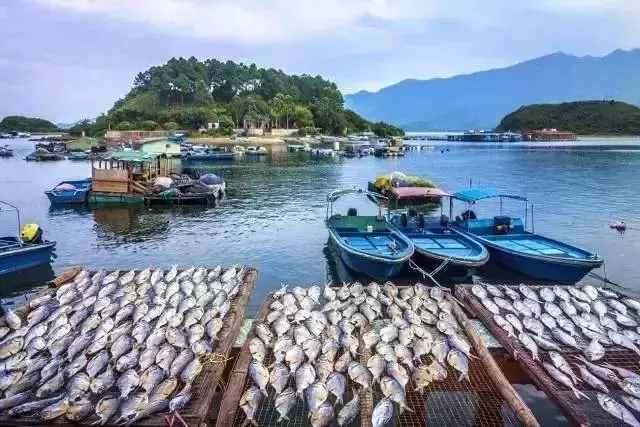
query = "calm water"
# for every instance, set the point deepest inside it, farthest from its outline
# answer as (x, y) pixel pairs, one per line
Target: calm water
(272, 217)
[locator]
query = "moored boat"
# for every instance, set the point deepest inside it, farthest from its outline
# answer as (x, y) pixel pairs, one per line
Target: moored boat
(511, 245)
(25, 250)
(367, 244)
(207, 154)
(70, 192)
(6, 151)
(255, 151)
(436, 243)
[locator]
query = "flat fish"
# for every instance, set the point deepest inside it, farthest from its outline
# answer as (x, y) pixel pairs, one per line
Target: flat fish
(284, 403)
(349, 411)
(249, 403)
(305, 375)
(382, 413)
(323, 416)
(315, 395)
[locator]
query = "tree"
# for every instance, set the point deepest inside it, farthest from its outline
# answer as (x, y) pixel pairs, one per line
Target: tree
(148, 125)
(170, 125)
(124, 126)
(328, 116)
(302, 116)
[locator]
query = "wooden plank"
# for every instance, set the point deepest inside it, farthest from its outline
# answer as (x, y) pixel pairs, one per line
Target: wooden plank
(507, 391)
(65, 277)
(238, 377)
(539, 377)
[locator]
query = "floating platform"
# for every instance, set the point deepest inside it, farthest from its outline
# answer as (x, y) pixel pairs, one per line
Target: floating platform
(206, 389)
(579, 411)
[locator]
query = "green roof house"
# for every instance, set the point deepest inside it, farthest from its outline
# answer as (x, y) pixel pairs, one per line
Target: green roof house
(161, 146)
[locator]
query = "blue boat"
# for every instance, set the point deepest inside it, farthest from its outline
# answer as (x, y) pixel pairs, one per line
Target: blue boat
(512, 246)
(437, 244)
(17, 254)
(70, 192)
(367, 244)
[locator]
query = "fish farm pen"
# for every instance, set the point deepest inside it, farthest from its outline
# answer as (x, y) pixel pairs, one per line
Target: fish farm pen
(486, 398)
(205, 388)
(586, 410)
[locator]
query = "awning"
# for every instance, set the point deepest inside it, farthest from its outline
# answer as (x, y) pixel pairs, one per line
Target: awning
(133, 156)
(475, 194)
(417, 192)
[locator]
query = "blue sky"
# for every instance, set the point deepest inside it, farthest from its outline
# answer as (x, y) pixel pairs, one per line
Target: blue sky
(68, 59)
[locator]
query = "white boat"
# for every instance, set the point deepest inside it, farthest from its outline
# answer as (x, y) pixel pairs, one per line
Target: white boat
(253, 150)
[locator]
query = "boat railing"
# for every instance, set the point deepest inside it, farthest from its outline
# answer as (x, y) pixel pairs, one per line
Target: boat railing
(6, 207)
(335, 195)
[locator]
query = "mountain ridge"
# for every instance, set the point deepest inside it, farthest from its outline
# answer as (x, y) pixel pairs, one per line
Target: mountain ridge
(481, 98)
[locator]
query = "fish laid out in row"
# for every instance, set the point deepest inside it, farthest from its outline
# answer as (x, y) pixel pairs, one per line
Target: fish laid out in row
(586, 319)
(113, 347)
(316, 337)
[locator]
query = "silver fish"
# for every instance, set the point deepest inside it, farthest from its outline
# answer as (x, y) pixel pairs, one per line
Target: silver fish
(279, 377)
(284, 403)
(376, 365)
(617, 410)
(562, 364)
(600, 371)
(191, 371)
(181, 399)
(565, 338)
(360, 374)
(349, 411)
(103, 382)
(592, 380)
(260, 375)
(151, 378)
(127, 382)
(530, 344)
(305, 375)
(623, 340)
(594, 351)
(323, 416)
(382, 413)
(315, 395)
(106, 408)
(563, 379)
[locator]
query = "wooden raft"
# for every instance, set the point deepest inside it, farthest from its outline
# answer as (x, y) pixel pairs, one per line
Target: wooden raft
(581, 412)
(206, 389)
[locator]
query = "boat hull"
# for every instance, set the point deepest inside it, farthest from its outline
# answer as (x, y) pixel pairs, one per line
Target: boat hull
(99, 198)
(69, 197)
(557, 271)
(25, 257)
(365, 265)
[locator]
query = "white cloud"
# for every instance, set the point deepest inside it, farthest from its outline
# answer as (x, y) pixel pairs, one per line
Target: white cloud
(247, 21)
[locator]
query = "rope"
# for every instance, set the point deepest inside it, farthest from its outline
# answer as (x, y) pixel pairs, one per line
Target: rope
(426, 275)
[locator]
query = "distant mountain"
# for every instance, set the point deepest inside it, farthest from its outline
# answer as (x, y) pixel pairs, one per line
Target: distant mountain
(584, 117)
(26, 124)
(481, 99)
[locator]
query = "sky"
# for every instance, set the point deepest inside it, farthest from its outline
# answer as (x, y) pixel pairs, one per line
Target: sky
(65, 60)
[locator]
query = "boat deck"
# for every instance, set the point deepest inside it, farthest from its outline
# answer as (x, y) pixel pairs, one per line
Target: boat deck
(532, 245)
(380, 244)
(445, 245)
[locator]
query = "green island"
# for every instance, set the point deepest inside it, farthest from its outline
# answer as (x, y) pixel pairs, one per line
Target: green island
(583, 118)
(26, 124)
(187, 94)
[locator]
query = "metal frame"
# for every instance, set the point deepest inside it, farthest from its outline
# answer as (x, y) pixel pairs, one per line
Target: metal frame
(337, 194)
(17, 211)
(525, 201)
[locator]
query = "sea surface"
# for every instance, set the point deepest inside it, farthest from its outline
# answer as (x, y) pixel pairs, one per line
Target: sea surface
(273, 215)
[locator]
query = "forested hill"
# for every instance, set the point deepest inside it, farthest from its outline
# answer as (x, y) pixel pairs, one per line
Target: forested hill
(26, 124)
(188, 93)
(586, 118)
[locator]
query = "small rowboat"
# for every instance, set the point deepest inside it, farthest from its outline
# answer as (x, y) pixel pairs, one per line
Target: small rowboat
(367, 244)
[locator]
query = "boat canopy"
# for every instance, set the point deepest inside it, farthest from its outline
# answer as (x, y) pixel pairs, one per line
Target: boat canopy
(335, 195)
(475, 194)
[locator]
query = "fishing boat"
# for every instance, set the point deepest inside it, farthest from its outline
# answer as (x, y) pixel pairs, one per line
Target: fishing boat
(78, 155)
(70, 192)
(25, 250)
(255, 151)
(436, 243)
(366, 244)
(6, 151)
(511, 245)
(207, 154)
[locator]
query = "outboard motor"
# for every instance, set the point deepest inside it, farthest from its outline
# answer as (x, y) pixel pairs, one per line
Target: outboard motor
(444, 220)
(352, 212)
(502, 224)
(469, 214)
(403, 219)
(420, 221)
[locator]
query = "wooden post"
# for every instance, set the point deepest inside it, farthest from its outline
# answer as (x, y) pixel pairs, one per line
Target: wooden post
(507, 391)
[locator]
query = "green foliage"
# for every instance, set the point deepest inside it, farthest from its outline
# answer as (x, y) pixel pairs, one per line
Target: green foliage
(386, 130)
(193, 93)
(26, 124)
(171, 125)
(125, 125)
(355, 123)
(586, 118)
(82, 144)
(148, 125)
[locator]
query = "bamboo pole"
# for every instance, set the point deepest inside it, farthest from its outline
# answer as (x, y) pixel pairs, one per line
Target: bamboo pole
(507, 391)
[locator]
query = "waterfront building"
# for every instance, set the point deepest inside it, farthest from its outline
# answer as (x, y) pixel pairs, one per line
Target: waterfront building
(550, 135)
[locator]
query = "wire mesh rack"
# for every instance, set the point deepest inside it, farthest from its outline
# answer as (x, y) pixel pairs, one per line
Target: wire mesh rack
(584, 411)
(207, 387)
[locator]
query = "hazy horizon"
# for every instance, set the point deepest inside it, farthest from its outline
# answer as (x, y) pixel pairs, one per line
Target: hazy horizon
(64, 60)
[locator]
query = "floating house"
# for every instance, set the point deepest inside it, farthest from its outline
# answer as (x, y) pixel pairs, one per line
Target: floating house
(550, 135)
(169, 148)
